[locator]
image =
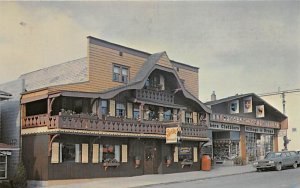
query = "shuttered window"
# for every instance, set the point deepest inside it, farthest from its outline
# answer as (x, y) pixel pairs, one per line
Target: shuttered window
(55, 152)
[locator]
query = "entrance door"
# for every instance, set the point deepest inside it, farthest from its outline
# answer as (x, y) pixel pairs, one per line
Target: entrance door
(149, 160)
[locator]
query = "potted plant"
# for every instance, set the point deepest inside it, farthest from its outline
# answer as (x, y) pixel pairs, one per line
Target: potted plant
(169, 160)
(137, 161)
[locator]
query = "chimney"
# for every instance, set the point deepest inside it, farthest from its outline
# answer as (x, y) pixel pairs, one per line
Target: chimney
(213, 96)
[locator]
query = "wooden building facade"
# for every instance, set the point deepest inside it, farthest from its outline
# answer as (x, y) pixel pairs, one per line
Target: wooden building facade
(136, 114)
(244, 126)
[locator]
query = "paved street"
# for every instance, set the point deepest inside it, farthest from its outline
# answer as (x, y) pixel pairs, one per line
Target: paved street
(289, 178)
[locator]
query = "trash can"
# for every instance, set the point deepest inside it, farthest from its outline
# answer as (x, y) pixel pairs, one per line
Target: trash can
(206, 163)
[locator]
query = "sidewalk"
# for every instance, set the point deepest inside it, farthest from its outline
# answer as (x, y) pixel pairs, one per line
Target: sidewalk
(147, 180)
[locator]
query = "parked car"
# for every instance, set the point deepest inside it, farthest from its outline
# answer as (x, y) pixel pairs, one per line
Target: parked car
(278, 160)
(298, 152)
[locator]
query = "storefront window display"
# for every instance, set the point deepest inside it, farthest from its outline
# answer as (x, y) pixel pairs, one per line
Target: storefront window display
(225, 149)
(258, 145)
(185, 154)
(109, 153)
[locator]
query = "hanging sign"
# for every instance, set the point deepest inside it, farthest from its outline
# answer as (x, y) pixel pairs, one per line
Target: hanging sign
(234, 107)
(172, 135)
(260, 111)
(247, 104)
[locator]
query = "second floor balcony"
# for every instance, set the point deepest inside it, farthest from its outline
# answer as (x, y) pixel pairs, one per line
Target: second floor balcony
(155, 96)
(109, 124)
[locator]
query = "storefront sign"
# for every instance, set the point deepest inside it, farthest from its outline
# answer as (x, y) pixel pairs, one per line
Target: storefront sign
(259, 130)
(171, 135)
(223, 126)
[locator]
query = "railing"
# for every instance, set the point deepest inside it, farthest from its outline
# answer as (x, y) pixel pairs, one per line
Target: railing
(243, 120)
(39, 121)
(92, 123)
(155, 96)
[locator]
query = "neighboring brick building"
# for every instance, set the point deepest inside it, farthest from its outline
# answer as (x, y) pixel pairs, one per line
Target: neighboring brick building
(120, 113)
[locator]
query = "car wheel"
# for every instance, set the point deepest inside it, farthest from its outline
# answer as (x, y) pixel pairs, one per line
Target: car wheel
(258, 170)
(278, 166)
(295, 165)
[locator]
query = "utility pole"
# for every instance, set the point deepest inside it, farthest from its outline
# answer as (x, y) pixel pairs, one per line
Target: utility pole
(283, 94)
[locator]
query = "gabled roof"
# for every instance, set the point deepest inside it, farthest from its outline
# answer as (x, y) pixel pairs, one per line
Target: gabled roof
(66, 73)
(211, 103)
(139, 81)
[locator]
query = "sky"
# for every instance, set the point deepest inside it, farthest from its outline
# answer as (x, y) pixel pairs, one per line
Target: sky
(240, 46)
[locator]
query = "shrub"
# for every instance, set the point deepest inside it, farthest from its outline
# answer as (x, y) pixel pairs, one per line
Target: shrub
(238, 161)
(19, 180)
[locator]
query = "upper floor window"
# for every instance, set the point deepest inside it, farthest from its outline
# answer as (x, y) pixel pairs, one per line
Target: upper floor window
(120, 73)
(104, 107)
(136, 111)
(168, 114)
(188, 117)
(120, 110)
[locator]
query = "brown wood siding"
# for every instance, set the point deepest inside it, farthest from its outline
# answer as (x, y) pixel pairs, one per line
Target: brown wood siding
(101, 62)
(190, 81)
(165, 62)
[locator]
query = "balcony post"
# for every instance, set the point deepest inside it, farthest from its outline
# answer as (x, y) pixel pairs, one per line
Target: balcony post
(49, 106)
(141, 112)
(161, 114)
(174, 114)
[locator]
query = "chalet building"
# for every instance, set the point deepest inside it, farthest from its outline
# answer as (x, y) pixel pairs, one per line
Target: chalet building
(129, 113)
(7, 151)
(245, 126)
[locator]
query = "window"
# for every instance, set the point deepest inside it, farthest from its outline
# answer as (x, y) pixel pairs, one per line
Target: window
(136, 111)
(188, 117)
(104, 107)
(120, 73)
(185, 154)
(71, 153)
(109, 153)
(116, 74)
(168, 114)
(3, 166)
(124, 75)
(120, 110)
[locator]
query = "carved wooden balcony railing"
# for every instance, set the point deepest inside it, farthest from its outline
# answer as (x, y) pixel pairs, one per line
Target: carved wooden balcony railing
(225, 118)
(155, 96)
(39, 121)
(92, 123)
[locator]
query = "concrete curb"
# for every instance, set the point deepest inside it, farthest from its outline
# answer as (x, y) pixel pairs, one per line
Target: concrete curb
(191, 180)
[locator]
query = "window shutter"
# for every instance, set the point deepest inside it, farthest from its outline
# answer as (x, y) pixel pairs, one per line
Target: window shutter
(182, 116)
(195, 154)
(77, 153)
(129, 110)
(176, 154)
(117, 152)
(95, 153)
(112, 108)
(124, 153)
(85, 153)
(195, 117)
(101, 153)
(55, 152)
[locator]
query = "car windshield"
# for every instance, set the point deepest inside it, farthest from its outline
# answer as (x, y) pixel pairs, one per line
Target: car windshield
(272, 155)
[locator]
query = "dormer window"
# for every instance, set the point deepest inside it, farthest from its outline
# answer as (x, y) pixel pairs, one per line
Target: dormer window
(120, 73)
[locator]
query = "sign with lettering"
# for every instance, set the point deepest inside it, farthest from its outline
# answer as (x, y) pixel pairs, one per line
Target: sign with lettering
(259, 130)
(171, 135)
(224, 126)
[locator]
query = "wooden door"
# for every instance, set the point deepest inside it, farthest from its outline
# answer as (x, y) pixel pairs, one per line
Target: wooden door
(149, 160)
